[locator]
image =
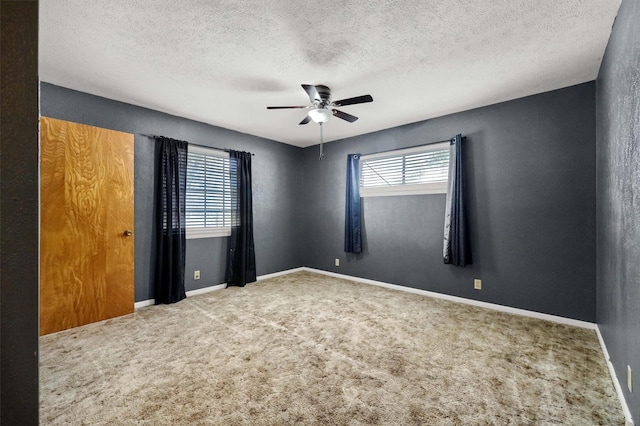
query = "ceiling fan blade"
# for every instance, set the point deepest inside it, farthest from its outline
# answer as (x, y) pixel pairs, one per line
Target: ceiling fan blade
(305, 120)
(285, 107)
(351, 101)
(348, 117)
(312, 92)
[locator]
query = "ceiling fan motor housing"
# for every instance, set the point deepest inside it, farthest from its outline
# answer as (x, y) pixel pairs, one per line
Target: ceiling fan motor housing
(325, 94)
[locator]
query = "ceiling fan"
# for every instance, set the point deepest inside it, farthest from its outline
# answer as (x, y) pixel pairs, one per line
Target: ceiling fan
(322, 107)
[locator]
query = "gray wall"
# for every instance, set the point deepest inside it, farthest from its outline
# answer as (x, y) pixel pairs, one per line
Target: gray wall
(19, 214)
(618, 205)
(276, 185)
(530, 179)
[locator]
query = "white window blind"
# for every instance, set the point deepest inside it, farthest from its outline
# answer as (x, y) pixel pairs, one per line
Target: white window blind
(208, 196)
(420, 170)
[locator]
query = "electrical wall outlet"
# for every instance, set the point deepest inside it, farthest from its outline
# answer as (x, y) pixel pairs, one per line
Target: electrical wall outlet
(477, 284)
(337, 262)
(629, 383)
(196, 275)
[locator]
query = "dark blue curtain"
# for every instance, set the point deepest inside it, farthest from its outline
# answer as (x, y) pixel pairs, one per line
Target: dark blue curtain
(241, 256)
(457, 249)
(170, 220)
(352, 221)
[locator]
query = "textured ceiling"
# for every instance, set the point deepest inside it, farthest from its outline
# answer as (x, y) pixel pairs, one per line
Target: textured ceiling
(223, 62)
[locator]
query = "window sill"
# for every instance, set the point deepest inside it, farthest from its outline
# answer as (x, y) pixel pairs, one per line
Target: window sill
(193, 233)
(438, 188)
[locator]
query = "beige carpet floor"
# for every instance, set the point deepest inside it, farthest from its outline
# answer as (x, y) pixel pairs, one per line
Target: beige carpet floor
(308, 349)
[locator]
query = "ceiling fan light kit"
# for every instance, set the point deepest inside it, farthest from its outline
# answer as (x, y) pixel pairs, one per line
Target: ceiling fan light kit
(320, 115)
(321, 109)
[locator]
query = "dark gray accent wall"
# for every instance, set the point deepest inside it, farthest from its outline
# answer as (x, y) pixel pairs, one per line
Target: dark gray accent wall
(618, 205)
(19, 220)
(277, 185)
(530, 179)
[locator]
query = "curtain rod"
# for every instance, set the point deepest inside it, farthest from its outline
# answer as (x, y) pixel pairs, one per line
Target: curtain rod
(194, 144)
(409, 147)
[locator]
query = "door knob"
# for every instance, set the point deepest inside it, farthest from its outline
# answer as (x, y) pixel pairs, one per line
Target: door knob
(128, 233)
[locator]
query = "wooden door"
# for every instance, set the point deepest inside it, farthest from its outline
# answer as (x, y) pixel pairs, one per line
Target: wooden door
(86, 224)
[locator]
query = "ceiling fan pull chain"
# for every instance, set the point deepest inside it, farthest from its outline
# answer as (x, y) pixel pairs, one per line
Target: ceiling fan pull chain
(321, 142)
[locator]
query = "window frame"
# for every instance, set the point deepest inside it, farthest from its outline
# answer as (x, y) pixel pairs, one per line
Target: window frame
(213, 231)
(439, 187)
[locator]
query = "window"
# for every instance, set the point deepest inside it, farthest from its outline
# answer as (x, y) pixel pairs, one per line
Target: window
(208, 197)
(420, 170)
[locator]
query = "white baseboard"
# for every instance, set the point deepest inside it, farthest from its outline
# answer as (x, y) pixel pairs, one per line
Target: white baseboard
(493, 306)
(616, 382)
(277, 274)
(149, 302)
(189, 293)
(206, 289)
(144, 303)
